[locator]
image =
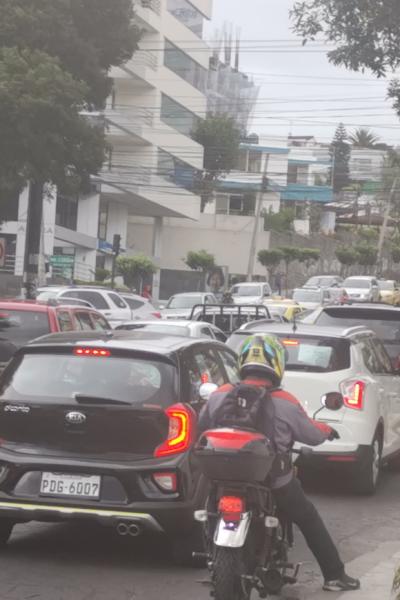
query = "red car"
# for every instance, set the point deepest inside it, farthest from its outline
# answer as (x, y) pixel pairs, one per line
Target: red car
(21, 322)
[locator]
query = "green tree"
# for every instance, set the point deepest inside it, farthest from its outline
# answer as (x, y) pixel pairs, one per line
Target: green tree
(366, 33)
(367, 255)
(270, 259)
(200, 260)
(102, 274)
(281, 221)
(309, 256)
(363, 138)
(347, 258)
(395, 254)
(134, 269)
(340, 152)
(77, 41)
(220, 138)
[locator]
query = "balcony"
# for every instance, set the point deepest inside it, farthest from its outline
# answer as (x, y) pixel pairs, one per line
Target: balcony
(154, 5)
(131, 121)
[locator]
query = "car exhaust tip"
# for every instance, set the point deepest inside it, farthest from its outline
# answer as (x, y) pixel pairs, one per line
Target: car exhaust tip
(122, 529)
(134, 530)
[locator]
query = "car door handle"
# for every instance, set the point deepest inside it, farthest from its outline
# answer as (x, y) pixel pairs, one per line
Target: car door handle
(107, 314)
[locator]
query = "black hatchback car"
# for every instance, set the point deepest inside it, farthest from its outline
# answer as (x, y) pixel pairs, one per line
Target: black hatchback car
(101, 427)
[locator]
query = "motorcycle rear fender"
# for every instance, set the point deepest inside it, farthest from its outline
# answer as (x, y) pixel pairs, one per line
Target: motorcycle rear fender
(232, 535)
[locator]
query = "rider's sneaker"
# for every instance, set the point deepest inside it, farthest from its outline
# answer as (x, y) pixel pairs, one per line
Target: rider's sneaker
(343, 584)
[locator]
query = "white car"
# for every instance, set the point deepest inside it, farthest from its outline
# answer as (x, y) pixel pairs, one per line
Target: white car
(193, 329)
(141, 307)
(353, 362)
(109, 303)
(310, 298)
(362, 289)
(180, 306)
(250, 293)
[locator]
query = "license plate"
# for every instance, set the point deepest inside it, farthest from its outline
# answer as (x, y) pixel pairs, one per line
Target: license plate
(77, 486)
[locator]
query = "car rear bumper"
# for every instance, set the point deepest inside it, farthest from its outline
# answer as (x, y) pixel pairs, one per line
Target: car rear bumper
(347, 458)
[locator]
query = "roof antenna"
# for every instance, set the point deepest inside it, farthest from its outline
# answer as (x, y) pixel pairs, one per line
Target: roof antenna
(294, 322)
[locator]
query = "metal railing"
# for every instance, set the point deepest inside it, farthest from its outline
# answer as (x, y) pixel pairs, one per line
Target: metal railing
(145, 58)
(128, 117)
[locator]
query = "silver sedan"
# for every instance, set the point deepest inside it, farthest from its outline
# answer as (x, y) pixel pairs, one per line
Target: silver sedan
(192, 329)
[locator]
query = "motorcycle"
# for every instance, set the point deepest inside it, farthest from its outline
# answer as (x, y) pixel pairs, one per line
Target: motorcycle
(247, 540)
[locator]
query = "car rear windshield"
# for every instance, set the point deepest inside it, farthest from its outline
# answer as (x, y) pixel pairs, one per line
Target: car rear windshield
(307, 296)
(357, 284)
(246, 290)
(21, 326)
(314, 354)
(385, 324)
(56, 377)
(161, 328)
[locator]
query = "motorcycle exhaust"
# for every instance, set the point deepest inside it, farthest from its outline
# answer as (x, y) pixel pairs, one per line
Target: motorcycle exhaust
(134, 530)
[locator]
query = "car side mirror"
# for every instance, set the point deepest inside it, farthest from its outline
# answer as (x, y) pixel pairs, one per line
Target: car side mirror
(206, 390)
(332, 401)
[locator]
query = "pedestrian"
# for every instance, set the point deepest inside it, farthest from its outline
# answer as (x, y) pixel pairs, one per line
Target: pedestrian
(262, 365)
(146, 293)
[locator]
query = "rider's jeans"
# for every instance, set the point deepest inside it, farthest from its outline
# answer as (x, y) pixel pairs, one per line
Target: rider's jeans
(295, 505)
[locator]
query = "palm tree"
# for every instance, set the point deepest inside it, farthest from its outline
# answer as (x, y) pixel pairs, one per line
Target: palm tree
(363, 138)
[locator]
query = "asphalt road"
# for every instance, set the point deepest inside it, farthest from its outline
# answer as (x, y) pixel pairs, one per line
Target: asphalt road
(72, 562)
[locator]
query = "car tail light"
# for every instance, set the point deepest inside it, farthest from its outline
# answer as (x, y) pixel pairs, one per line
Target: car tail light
(168, 482)
(98, 352)
(290, 342)
(157, 315)
(180, 432)
(353, 394)
(231, 508)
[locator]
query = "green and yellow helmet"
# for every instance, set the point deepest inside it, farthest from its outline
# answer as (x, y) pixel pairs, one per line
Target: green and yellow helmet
(262, 356)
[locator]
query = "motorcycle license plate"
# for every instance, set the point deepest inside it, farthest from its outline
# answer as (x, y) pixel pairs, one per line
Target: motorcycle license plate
(70, 486)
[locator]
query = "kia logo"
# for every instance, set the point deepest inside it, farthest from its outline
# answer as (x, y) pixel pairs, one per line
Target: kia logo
(75, 418)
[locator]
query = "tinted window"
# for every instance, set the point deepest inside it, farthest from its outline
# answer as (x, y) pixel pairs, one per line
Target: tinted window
(316, 354)
(84, 321)
(22, 326)
(369, 357)
(206, 332)
(117, 300)
(65, 321)
(305, 295)
(184, 301)
(99, 322)
(57, 377)
(231, 366)
(385, 324)
(246, 290)
(93, 297)
(208, 366)
(132, 303)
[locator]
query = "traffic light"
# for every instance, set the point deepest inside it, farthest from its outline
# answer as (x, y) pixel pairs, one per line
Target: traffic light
(117, 244)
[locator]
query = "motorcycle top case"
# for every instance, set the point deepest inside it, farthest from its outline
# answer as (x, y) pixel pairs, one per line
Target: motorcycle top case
(235, 455)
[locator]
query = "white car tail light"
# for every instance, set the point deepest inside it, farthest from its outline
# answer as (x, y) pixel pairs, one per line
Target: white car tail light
(353, 393)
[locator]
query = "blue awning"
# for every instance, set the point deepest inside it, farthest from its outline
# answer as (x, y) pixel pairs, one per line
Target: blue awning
(311, 193)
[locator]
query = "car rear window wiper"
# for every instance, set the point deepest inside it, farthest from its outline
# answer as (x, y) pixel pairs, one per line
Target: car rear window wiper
(98, 400)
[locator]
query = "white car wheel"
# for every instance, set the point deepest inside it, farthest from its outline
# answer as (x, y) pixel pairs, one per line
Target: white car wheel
(368, 477)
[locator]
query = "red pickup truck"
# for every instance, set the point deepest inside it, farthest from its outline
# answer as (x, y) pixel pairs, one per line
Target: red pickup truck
(21, 322)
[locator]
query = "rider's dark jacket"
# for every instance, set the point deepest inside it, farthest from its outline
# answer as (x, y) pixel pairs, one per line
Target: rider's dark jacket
(286, 421)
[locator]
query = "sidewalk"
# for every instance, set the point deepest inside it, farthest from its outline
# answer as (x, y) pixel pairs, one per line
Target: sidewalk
(375, 569)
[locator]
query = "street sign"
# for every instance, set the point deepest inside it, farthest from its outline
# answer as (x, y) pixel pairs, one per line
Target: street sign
(62, 260)
(2, 252)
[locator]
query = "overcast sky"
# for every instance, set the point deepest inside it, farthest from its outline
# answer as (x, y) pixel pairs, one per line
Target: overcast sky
(301, 92)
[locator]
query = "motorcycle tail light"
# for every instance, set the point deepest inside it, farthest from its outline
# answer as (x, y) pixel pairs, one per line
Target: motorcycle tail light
(180, 431)
(168, 482)
(231, 508)
(353, 394)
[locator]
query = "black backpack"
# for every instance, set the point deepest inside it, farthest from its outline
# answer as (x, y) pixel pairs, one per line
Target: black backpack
(244, 407)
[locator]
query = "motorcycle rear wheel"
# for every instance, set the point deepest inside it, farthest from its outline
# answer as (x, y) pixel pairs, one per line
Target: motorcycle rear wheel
(229, 566)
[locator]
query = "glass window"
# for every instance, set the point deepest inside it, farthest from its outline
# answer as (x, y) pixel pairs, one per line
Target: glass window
(103, 220)
(65, 321)
(185, 67)
(95, 298)
(21, 326)
(209, 366)
(206, 332)
(231, 366)
(305, 295)
(99, 322)
(176, 116)
(369, 357)
(133, 303)
(316, 354)
(184, 301)
(254, 162)
(171, 168)
(55, 377)
(84, 321)
(117, 300)
(67, 212)
(361, 284)
(187, 14)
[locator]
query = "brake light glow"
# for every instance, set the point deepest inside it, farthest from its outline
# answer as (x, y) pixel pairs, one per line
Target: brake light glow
(157, 315)
(290, 342)
(97, 352)
(353, 394)
(232, 439)
(168, 482)
(231, 508)
(180, 432)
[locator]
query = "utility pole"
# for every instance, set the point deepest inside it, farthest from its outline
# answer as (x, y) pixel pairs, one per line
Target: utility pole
(382, 235)
(116, 252)
(253, 244)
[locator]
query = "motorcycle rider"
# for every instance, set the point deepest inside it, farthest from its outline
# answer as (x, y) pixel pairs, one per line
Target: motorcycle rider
(262, 364)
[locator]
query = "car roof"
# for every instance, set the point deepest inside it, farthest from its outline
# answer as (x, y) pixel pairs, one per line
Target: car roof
(250, 283)
(362, 306)
(304, 329)
(142, 341)
(190, 294)
(25, 305)
(162, 322)
(366, 277)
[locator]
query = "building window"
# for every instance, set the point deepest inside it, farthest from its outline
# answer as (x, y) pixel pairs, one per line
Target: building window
(67, 212)
(187, 14)
(181, 64)
(9, 202)
(171, 168)
(176, 116)
(103, 220)
(254, 162)
(292, 173)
